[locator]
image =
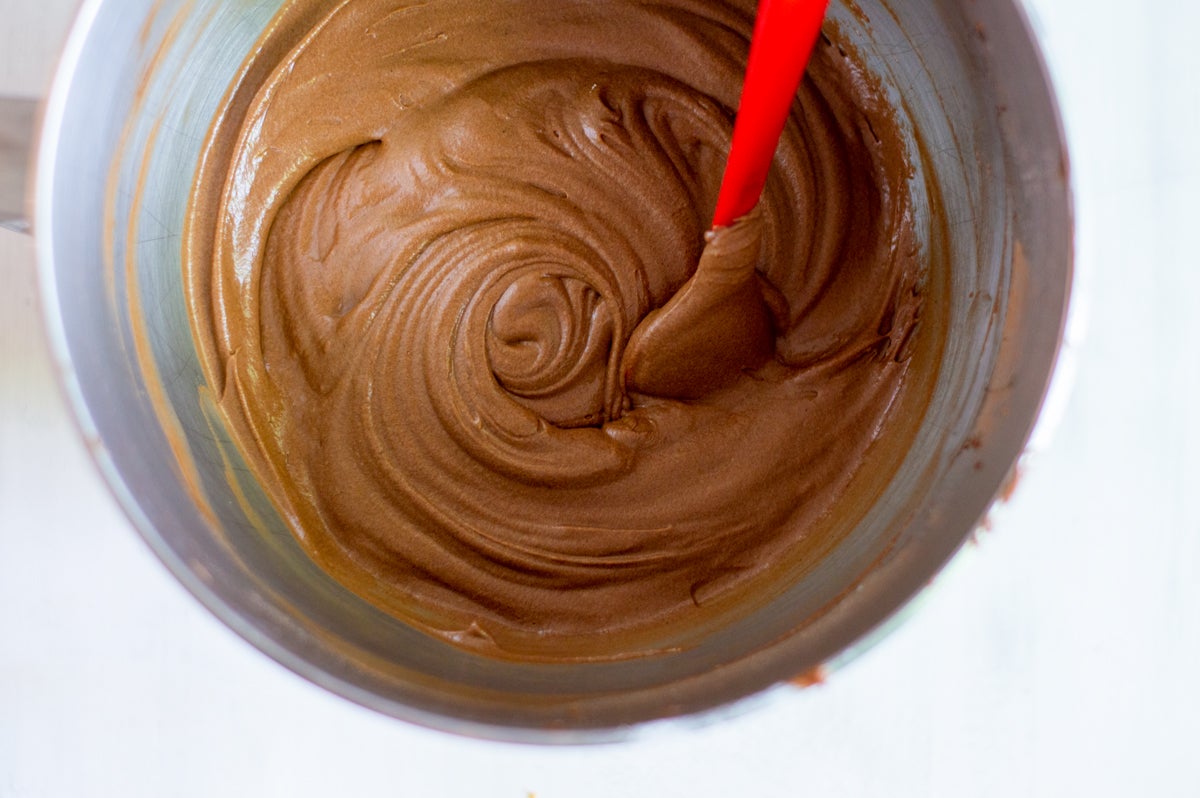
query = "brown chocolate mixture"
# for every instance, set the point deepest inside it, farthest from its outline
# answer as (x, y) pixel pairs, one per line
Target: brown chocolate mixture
(423, 237)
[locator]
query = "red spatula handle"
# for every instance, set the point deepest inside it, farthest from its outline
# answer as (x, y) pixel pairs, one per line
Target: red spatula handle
(785, 32)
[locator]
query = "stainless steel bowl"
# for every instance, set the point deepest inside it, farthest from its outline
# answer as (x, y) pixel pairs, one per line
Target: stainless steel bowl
(123, 127)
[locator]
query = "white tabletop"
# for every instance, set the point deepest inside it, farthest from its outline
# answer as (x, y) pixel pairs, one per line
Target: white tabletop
(1060, 656)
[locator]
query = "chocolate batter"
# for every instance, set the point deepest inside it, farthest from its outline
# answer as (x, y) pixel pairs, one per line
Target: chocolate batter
(421, 241)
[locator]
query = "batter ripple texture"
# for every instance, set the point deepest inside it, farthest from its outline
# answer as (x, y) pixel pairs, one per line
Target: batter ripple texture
(420, 242)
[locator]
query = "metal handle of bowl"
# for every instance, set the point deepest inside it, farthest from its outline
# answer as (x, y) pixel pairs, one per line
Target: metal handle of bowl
(17, 122)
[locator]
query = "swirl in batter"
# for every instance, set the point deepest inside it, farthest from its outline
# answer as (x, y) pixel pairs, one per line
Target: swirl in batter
(422, 239)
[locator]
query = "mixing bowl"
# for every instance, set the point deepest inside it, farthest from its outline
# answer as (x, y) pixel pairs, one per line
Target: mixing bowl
(122, 134)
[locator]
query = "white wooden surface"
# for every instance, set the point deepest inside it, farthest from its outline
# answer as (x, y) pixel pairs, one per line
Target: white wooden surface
(1059, 657)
